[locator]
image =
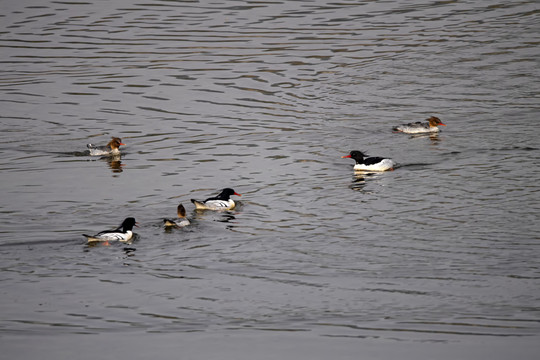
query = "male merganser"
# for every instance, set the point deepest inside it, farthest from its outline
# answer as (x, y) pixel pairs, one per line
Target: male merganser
(364, 163)
(123, 233)
(181, 221)
(420, 127)
(220, 202)
(112, 148)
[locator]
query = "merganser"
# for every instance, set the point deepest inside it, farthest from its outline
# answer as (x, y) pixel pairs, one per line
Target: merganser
(220, 202)
(123, 233)
(364, 163)
(420, 127)
(112, 148)
(181, 221)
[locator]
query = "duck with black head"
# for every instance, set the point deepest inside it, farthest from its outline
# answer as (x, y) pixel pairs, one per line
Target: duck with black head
(365, 163)
(123, 233)
(222, 201)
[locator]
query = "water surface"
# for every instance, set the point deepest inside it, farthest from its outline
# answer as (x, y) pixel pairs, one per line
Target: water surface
(437, 259)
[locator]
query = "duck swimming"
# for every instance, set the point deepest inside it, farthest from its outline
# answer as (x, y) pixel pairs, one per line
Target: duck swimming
(112, 148)
(181, 221)
(364, 163)
(420, 127)
(220, 202)
(123, 233)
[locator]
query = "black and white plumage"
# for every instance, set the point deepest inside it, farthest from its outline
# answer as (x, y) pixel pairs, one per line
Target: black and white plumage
(181, 221)
(364, 163)
(123, 233)
(219, 202)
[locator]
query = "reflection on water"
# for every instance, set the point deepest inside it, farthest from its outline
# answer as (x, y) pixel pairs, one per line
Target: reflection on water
(115, 163)
(434, 137)
(362, 178)
(358, 183)
(265, 97)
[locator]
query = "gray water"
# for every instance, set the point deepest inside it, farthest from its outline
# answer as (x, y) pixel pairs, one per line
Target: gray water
(437, 259)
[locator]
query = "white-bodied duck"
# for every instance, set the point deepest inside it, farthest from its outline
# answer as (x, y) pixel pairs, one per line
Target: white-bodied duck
(364, 163)
(122, 233)
(222, 201)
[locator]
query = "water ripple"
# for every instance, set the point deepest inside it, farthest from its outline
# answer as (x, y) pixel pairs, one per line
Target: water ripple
(266, 98)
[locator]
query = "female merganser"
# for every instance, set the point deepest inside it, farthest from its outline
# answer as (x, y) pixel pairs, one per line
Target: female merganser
(112, 148)
(123, 233)
(420, 127)
(370, 163)
(181, 221)
(220, 202)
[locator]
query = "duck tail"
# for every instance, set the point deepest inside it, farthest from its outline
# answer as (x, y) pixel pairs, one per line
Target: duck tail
(198, 204)
(91, 238)
(168, 222)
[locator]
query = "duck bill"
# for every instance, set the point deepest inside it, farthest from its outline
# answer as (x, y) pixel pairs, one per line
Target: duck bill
(442, 124)
(346, 156)
(122, 144)
(237, 194)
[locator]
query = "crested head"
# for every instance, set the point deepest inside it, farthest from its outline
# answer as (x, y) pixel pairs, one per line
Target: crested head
(181, 210)
(128, 224)
(434, 121)
(356, 155)
(227, 192)
(115, 143)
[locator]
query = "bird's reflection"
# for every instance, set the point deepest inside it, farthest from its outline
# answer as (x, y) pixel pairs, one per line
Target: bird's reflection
(358, 182)
(434, 137)
(229, 219)
(130, 251)
(219, 216)
(225, 218)
(360, 179)
(115, 163)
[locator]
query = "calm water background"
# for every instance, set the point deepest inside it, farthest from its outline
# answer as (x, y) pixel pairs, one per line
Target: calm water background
(437, 259)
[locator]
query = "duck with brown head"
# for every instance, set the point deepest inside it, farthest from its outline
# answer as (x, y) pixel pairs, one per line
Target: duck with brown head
(180, 222)
(431, 126)
(111, 149)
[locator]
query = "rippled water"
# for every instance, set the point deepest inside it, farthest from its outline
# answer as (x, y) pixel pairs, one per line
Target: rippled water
(437, 259)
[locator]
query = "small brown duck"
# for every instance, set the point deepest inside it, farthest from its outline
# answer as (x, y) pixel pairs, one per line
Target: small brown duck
(112, 148)
(420, 127)
(181, 221)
